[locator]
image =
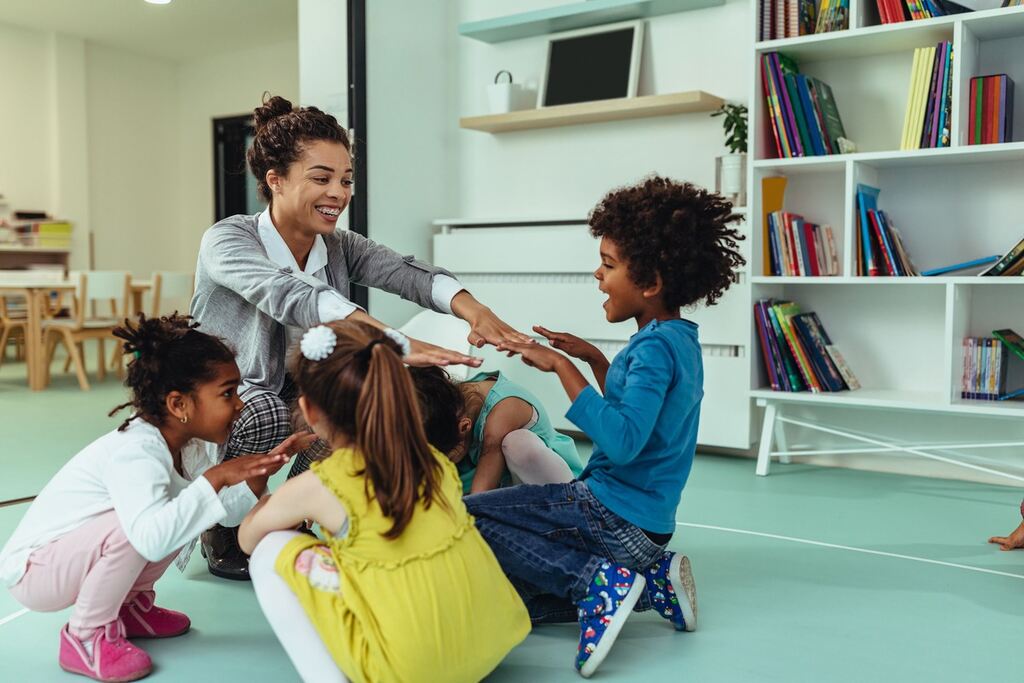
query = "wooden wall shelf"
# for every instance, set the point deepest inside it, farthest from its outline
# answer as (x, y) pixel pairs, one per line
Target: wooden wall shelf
(594, 112)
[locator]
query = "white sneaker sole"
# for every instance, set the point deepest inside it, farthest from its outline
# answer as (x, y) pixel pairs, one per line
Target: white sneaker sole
(681, 576)
(612, 632)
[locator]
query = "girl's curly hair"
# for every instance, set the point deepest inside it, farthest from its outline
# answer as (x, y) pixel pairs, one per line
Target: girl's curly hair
(676, 230)
(170, 354)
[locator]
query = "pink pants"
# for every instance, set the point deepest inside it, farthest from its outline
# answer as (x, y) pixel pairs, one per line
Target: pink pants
(94, 568)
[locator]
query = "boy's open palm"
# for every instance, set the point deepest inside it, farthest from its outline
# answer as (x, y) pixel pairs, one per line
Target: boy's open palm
(534, 355)
(570, 344)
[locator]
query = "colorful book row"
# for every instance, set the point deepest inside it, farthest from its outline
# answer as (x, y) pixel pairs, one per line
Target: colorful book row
(926, 122)
(799, 247)
(985, 365)
(802, 110)
(797, 352)
(893, 11)
(991, 110)
(880, 247)
(793, 18)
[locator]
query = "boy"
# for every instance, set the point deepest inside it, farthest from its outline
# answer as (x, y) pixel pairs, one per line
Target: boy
(595, 548)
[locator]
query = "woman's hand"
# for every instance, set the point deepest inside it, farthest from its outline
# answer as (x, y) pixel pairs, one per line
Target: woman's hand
(485, 326)
(1014, 540)
(536, 356)
(572, 345)
(423, 354)
(243, 468)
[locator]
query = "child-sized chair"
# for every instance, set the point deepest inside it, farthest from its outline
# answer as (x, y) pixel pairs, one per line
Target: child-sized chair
(171, 286)
(109, 287)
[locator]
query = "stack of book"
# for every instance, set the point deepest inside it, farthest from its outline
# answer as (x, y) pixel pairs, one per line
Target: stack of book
(799, 247)
(44, 234)
(797, 351)
(880, 248)
(1013, 3)
(793, 18)
(802, 111)
(892, 11)
(927, 120)
(991, 110)
(986, 362)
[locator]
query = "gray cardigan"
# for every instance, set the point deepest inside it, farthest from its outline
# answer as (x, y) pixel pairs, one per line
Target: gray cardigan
(247, 299)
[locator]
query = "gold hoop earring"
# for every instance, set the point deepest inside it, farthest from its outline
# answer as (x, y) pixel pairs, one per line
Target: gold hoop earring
(184, 420)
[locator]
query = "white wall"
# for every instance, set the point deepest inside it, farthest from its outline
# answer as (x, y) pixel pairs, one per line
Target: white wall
(133, 160)
(225, 85)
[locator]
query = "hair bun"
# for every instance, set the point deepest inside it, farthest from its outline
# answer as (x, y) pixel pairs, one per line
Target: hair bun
(273, 107)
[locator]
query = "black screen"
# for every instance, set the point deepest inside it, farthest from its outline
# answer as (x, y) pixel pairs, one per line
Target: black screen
(586, 68)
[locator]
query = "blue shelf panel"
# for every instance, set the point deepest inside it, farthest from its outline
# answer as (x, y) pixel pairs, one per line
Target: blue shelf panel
(574, 16)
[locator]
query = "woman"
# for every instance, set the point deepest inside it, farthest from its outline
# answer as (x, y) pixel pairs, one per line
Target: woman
(262, 279)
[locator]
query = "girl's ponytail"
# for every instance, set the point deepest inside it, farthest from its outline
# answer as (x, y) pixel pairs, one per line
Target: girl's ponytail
(402, 468)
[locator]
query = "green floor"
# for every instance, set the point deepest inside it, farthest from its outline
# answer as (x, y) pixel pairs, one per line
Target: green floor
(774, 607)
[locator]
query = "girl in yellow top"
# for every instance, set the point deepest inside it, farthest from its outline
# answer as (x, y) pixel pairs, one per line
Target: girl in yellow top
(404, 588)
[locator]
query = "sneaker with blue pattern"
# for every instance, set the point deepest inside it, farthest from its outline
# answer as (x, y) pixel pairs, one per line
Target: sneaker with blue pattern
(611, 596)
(672, 591)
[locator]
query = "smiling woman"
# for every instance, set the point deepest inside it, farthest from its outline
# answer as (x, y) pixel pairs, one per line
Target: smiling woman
(263, 279)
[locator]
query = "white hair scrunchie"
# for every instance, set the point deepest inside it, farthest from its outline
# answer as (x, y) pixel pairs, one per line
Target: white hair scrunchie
(318, 342)
(400, 339)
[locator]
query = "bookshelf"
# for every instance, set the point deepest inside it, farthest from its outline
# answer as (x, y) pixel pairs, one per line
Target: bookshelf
(902, 336)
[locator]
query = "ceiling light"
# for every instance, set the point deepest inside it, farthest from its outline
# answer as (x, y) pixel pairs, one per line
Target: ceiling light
(159, 2)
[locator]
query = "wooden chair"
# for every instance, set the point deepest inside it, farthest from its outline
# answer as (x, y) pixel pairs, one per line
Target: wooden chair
(111, 288)
(13, 320)
(174, 286)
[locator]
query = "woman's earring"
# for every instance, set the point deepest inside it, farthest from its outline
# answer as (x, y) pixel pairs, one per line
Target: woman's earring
(184, 420)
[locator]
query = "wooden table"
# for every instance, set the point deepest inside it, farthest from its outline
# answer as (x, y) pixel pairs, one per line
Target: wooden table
(35, 293)
(139, 290)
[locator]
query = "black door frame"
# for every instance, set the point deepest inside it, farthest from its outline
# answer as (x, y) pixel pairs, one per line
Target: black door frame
(358, 208)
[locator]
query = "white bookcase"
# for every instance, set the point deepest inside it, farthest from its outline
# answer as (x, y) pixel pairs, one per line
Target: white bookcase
(901, 336)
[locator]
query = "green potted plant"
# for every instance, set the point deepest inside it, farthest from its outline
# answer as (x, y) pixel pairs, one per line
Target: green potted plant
(733, 166)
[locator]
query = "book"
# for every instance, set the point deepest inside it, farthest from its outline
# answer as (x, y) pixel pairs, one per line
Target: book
(1006, 261)
(784, 312)
(1011, 340)
(793, 374)
(833, 122)
(966, 265)
(867, 200)
(823, 366)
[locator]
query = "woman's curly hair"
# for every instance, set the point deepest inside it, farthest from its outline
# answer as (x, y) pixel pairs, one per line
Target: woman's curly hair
(170, 354)
(281, 130)
(676, 230)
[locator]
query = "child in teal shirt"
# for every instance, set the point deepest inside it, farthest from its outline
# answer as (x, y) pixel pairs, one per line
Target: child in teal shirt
(594, 548)
(496, 431)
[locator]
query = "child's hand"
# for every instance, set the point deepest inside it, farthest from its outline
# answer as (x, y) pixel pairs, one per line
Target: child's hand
(423, 355)
(571, 345)
(536, 356)
(242, 468)
(1014, 540)
(296, 443)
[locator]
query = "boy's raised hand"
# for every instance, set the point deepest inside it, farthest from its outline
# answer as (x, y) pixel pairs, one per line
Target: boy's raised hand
(535, 355)
(571, 344)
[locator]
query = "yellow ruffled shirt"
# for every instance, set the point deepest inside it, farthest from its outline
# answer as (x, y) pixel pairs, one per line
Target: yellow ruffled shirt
(431, 605)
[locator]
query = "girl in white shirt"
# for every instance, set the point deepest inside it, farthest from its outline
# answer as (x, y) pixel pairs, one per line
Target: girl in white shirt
(111, 521)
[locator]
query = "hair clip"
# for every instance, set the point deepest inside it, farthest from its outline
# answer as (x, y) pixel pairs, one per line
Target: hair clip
(318, 342)
(400, 339)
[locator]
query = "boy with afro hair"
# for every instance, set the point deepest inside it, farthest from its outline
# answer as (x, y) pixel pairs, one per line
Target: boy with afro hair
(594, 549)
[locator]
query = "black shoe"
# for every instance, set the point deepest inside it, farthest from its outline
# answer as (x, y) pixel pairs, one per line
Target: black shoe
(219, 545)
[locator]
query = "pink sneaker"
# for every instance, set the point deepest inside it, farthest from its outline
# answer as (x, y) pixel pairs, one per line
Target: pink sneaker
(113, 657)
(143, 619)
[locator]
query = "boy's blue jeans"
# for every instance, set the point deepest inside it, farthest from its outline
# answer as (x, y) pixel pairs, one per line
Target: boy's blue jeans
(551, 540)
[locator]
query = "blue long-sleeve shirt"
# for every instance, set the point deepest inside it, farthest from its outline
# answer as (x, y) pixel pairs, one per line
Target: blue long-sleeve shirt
(644, 429)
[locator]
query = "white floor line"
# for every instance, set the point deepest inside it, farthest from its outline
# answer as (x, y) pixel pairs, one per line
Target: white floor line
(12, 617)
(866, 551)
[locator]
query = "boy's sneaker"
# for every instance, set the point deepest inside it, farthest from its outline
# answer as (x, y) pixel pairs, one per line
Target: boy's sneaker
(113, 658)
(143, 619)
(672, 591)
(610, 598)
